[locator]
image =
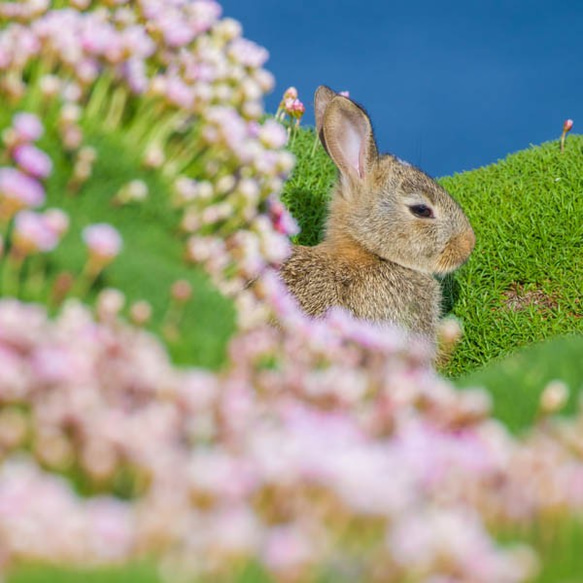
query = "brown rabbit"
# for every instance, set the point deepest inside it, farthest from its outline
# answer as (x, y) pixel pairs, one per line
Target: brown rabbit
(390, 229)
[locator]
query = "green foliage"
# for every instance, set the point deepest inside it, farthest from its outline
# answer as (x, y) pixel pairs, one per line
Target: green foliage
(524, 280)
(307, 191)
(560, 551)
(516, 382)
(557, 542)
(139, 573)
(134, 573)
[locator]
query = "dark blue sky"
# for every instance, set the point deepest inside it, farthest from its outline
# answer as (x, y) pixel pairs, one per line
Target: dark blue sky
(449, 85)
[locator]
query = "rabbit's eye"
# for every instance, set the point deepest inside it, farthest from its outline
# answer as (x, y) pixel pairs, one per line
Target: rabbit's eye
(422, 211)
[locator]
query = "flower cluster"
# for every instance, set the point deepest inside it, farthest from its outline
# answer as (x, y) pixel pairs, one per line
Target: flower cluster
(187, 90)
(32, 232)
(20, 187)
(291, 106)
(324, 445)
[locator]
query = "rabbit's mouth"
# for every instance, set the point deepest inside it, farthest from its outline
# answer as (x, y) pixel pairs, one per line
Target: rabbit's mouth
(456, 252)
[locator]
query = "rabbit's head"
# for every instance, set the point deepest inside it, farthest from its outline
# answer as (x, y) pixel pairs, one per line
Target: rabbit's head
(387, 206)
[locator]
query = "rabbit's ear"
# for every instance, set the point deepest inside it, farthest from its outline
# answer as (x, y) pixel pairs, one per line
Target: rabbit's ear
(322, 99)
(349, 138)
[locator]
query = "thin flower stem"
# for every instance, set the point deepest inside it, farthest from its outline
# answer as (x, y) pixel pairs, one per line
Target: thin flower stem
(98, 98)
(36, 278)
(116, 109)
(12, 272)
(315, 145)
(87, 278)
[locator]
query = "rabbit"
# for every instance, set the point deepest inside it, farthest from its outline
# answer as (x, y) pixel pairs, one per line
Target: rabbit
(391, 228)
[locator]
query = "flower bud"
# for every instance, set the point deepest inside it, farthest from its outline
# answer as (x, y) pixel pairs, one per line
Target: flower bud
(110, 302)
(554, 397)
(140, 312)
(181, 291)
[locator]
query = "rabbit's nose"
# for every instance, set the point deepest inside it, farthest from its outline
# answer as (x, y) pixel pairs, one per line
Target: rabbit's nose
(466, 242)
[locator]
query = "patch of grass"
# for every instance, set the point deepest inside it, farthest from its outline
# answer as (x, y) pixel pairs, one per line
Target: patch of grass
(307, 191)
(144, 572)
(524, 281)
(136, 573)
(559, 551)
(557, 542)
(516, 382)
(152, 255)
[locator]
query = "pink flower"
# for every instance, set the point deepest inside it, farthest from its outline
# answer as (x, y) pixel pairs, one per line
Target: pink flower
(32, 233)
(248, 53)
(103, 240)
(272, 134)
(19, 189)
(567, 126)
(290, 93)
(282, 220)
(33, 161)
(111, 528)
(53, 364)
(27, 126)
(57, 220)
(294, 108)
(287, 548)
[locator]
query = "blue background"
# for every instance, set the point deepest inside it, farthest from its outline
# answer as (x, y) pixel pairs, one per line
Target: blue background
(449, 85)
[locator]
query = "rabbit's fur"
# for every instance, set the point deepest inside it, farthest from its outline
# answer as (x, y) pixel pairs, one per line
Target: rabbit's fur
(379, 254)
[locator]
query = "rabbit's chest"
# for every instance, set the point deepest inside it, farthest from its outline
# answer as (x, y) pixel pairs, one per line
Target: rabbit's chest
(392, 293)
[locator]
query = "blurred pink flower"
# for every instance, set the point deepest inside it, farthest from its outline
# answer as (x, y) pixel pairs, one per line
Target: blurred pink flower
(20, 190)
(27, 126)
(102, 240)
(287, 548)
(57, 220)
(111, 529)
(33, 161)
(32, 233)
(272, 134)
(282, 220)
(248, 53)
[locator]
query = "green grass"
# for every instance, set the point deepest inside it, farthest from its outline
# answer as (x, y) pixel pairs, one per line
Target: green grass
(524, 281)
(134, 573)
(307, 191)
(142, 573)
(152, 256)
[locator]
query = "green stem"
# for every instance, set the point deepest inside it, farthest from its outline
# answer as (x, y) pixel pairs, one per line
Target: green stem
(316, 142)
(36, 278)
(97, 98)
(11, 273)
(86, 279)
(116, 108)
